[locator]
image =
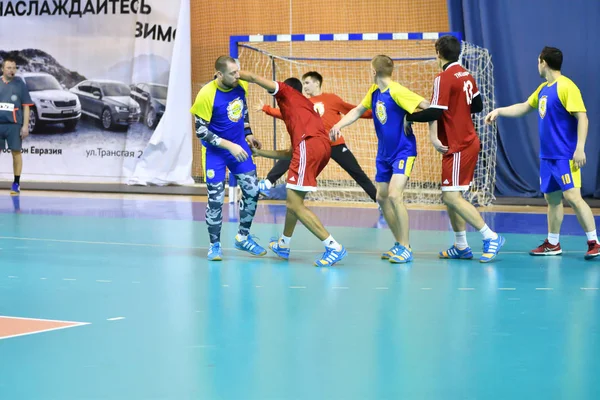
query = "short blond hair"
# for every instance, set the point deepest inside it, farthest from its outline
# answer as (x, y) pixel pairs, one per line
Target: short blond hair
(383, 66)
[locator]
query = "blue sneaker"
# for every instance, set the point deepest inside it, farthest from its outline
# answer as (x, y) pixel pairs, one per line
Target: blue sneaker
(402, 256)
(391, 252)
(15, 188)
(281, 252)
(491, 248)
(263, 187)
(330, 257)
(214, 252)
(456, 253)
(250, 246)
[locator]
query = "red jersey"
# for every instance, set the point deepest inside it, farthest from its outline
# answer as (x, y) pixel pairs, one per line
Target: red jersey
(330, 107)
(453, 91)
(301, 120)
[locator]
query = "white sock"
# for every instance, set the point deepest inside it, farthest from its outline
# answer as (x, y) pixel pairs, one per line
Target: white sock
(592, 236)
(284, 241)
(330, 242)
(553, 238)
(460, 240)
(240, 237)
(488, 233)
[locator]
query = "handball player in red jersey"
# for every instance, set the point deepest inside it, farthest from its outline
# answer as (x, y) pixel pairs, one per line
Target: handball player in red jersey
(310, 152)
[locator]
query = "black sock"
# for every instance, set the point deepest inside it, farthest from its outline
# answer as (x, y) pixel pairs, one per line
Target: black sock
(18, 179)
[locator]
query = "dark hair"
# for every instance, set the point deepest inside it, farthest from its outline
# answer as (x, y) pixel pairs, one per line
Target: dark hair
(294, 83)
(8, 59)
(314, 75)
(553, 57)
(448, 47)
(383, 65)
(221, 63)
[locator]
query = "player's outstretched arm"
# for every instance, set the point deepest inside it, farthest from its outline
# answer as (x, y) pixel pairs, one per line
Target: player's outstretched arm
(274, 154)
(514, 111)
(348, 119)
(272, 111)
(267, 84)
(345, 108)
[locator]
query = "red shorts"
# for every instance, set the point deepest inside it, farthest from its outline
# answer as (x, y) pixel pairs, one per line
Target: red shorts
(309, 159)
(458, 169)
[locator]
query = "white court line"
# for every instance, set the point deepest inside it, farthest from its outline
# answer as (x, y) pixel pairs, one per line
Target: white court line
(466, 288)
(69, 279)
(589, 288)
(507, 288)
(12, 277)
(43, 279)
(544, 288)
(136, 282)
(115, 319)
(340, 287)
(225, 285)
(381, 288)
(297, 287)
(103, 281)
(257, 286)
(206, 248)
(425, 288)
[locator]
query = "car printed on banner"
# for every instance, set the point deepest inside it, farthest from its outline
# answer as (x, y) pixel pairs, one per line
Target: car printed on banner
(53, 103)
(152, 98)
(107, 101)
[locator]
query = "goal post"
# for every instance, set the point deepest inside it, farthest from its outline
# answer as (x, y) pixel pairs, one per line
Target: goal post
(344, 60)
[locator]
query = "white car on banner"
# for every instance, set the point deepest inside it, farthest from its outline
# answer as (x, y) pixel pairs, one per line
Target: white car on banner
(107, 101)
(52, 102)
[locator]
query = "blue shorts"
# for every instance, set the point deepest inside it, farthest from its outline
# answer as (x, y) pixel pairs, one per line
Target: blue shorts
(558, 175)
(386, 168)
(216, 160)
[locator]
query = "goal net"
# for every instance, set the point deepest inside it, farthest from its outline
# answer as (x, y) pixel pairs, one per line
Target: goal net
(343, 61)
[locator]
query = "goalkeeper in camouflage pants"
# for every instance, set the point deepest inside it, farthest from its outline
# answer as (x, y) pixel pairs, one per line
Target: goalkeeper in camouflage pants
(222, 124)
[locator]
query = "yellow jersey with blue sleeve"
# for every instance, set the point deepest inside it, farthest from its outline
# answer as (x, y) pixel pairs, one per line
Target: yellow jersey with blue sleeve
(556, 102)
(389, 108)
(223, 109)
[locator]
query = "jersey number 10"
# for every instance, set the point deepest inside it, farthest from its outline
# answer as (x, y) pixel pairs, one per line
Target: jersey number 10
(468, 89)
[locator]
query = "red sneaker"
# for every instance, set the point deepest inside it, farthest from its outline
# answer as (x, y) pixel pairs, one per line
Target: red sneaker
(593, 250)
(547, 249)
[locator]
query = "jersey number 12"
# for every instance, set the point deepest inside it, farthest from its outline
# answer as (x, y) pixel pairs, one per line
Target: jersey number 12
(468, 89)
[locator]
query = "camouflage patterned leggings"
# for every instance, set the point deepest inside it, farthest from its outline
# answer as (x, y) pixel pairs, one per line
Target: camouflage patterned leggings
(248, 182)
